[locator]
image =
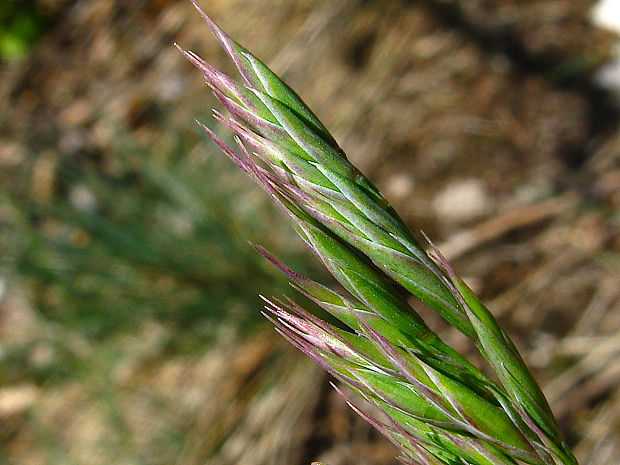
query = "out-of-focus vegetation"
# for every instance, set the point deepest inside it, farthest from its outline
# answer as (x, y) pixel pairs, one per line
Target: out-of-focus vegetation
(164, 238)
(21, 24)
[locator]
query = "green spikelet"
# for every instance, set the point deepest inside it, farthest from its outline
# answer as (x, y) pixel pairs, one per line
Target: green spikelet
(438, 408)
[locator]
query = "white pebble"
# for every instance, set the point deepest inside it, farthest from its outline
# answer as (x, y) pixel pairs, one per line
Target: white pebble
(462, 201)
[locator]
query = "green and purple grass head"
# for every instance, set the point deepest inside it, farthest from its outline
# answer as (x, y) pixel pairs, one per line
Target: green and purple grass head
(435, 405)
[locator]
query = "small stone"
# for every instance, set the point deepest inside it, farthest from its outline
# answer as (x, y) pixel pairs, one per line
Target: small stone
(82, 198)
(606, 14)
(462, 201)
(399, 186)
(16, 399)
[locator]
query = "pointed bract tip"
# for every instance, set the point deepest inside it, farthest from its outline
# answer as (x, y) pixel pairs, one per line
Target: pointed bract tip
(439, 257)
(220, 35)
(281, 266)
(205, 16)
(203, 126)
(333, 385)
(231, 47)
(178, 47)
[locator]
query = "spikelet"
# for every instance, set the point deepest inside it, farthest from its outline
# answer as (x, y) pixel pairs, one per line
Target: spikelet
(436, 406)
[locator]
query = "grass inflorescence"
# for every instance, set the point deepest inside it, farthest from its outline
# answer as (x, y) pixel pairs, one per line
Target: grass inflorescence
(436, 406)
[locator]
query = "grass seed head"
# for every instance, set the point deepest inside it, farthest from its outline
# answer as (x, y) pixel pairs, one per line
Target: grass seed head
(437, 407)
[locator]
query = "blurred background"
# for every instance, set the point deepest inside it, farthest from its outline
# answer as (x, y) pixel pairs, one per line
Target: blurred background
(129, 319)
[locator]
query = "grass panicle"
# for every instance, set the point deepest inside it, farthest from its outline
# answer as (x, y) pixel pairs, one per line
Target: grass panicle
(436, 406)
